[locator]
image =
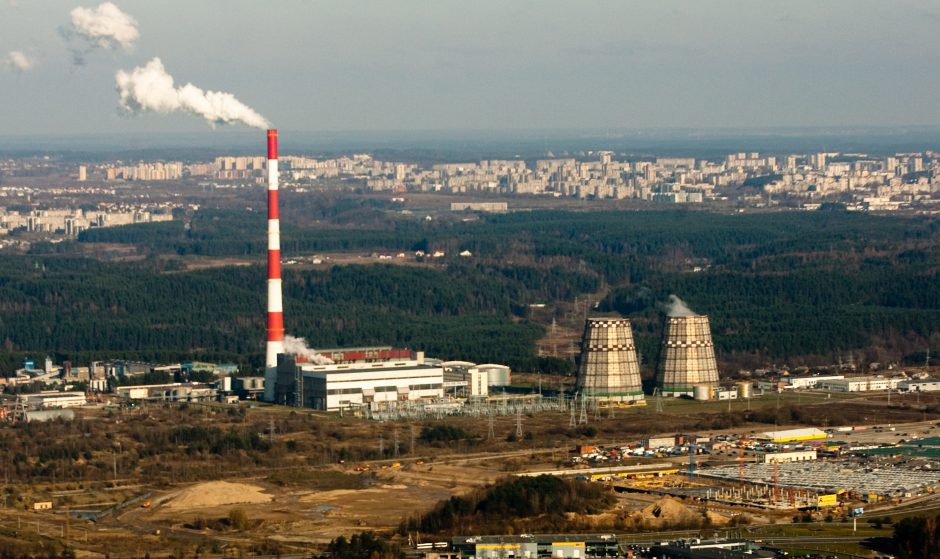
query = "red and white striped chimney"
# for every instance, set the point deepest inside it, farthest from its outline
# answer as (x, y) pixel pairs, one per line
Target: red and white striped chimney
(275, 312)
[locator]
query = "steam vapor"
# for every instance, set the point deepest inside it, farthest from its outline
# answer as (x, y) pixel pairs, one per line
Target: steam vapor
(20, 61)
(104, 27)
(298, 346)
(677, 307)
(150, 88)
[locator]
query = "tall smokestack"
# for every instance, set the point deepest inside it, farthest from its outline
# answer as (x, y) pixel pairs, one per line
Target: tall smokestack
(275, 328)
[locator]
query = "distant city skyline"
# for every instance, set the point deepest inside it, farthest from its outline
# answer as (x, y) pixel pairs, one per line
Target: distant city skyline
(322, 67)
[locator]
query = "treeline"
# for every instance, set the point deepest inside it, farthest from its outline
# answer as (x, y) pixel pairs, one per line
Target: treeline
(84, 310)
(534, 504)
(778, 286)
(918, 537)
(365, 545)
(889, 311)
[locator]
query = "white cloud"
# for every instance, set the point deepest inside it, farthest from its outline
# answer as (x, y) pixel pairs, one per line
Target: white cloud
(20, 61)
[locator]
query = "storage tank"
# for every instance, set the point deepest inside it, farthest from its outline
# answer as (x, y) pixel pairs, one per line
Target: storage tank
(609, 369)
(496, 375)
(702, 392)
(687, 356)
(745, 389)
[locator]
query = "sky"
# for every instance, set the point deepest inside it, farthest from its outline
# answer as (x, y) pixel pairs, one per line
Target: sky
(321, 66)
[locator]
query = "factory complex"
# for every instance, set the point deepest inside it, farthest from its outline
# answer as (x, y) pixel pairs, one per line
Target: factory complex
(338, 386)
(386, 382)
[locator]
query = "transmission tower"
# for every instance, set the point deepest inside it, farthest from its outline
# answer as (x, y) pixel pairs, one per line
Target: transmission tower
(491, 434)
(519, 423)
(573, 422)
(413, 436)
(395, 448)
(583, 418)
(381, 446)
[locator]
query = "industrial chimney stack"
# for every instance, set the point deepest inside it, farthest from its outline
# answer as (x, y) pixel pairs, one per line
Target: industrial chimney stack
(275, 329)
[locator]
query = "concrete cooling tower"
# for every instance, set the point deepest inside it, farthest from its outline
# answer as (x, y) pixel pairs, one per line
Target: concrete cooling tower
(609, 368)
(687, 357)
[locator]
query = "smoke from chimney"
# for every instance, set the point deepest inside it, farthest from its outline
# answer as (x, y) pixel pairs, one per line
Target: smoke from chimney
(298, 347)
(151, 88)
(677, 307)
(104, 27)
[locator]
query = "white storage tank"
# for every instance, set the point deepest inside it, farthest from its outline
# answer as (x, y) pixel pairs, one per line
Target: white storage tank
(745, 390)
(496, 375)
(702, 392)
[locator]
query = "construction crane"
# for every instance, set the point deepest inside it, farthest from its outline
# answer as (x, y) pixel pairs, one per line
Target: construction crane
(692, 448)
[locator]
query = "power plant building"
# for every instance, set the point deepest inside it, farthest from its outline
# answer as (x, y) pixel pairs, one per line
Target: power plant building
(687, 357)
(344, 386)
(609, 369)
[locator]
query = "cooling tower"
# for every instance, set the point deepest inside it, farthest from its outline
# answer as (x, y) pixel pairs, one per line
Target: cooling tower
(609, 368)
(687, 357)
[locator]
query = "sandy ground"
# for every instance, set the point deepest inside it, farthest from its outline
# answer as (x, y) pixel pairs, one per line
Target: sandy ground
(215, 494)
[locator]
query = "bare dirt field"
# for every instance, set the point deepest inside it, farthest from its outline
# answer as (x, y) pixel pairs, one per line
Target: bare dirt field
(215, 494)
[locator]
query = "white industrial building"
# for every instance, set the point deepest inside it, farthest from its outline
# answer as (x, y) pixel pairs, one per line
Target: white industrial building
(335, 387)
(809, 382)
(781, 457)
(479, 383)
(920, 385)
(172, 392)
(861, 384)
(51, 399)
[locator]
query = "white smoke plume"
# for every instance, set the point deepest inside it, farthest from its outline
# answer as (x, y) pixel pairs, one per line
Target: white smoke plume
(150, 88)
(677, 307)
(20, 61)
(104, 27)
(298, 347)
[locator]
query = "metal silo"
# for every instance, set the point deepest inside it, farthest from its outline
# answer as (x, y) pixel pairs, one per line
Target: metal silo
(609, 369)
(687, 357)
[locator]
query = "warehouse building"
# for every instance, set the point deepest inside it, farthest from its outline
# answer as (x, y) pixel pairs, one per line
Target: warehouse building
(808, 382)
(861, 384)
(782, 457)
(171, 392)
(547, 546)
(52, 399)
(794, 435)
(920, 385)
(342, 386)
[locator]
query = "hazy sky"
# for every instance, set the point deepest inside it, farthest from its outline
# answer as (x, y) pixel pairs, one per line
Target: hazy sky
(407, 65)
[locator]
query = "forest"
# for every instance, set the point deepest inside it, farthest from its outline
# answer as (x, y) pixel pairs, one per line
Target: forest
(783, 287)
(520, 504)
